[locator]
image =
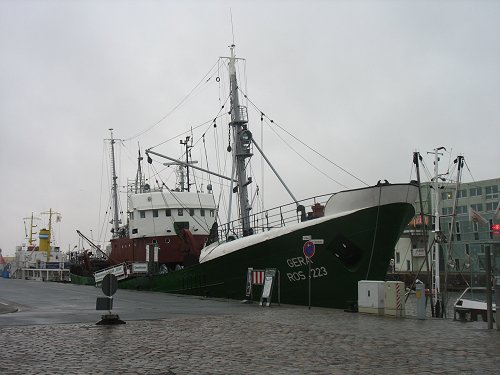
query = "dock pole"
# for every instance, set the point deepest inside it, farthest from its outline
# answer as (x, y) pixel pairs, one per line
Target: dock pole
(489, 297)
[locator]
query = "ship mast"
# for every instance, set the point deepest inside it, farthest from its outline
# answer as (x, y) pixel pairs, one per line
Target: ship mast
(138, 177)
(187, 147)
(114, 187)
(30, 240)
(242, 139)
(437, 231)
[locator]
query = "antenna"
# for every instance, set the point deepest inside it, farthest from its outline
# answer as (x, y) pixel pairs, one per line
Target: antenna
(232, 28)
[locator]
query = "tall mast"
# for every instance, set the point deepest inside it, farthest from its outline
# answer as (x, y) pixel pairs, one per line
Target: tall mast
(437, 230)
(187, 148)
(138, 176)
(242, 139)
(30, 242)
(114, 188)
(460, 161)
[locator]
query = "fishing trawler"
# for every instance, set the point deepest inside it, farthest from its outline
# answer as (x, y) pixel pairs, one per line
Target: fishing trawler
(173, 242)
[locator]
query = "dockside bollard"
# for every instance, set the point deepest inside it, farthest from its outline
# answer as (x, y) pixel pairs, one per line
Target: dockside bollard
(420, 295)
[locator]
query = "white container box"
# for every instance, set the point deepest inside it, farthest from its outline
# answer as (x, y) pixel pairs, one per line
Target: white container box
(395, 298)
(371, 297)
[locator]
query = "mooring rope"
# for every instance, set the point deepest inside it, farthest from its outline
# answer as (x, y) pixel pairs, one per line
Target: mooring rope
(375, 235)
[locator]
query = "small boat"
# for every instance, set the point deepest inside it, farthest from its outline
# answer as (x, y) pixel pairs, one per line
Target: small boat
(314, 250)
(472, 304)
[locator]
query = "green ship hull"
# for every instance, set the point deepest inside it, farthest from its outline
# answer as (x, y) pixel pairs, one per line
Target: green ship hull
(356, 246)
(81, 280)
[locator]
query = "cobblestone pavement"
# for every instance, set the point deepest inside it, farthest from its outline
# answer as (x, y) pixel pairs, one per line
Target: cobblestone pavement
(275, 340)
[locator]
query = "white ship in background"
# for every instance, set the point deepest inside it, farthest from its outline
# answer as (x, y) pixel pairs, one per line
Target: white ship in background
(44, 260)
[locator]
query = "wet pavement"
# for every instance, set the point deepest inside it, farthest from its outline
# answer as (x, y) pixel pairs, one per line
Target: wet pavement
(54, 332)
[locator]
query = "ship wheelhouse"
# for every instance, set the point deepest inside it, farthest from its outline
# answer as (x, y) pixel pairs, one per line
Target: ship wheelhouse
(165, 213)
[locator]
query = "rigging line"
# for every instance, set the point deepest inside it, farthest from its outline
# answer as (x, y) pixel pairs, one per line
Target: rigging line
(206, 159)
(426, 170)
(220, 169)
(202, 81)
(199, 200)
(412, 169)
(300, 141)
(178, 201)
(219, 114)
(375, 233)
(209, 127)
(323, 173)
(156, 174)
(467, 165)
(102, 179)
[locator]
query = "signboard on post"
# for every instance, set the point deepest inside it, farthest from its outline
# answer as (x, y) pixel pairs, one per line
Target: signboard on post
(109, 285)
(309, 249)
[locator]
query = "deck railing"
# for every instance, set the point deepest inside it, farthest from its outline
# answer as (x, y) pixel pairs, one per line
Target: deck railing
(276, 217)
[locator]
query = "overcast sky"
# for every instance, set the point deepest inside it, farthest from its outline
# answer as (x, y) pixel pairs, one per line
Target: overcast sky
(364, 82)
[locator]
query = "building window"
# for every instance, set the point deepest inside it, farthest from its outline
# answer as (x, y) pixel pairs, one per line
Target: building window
(447, 210)
(398, 258)
(491, 206)
(168, 212)
(491, 232)
(462, 193)
(191, 212)
(211, 213)
(131, 216)
(446, 195)
(491, 191)
(180, 212)
(155, 213)
(457, 228)
(457, 263)
(408, 265)
(474, 192)
(475, 227)
(461, 210)
(142, 214)
(477, 207)
(467, 250)
(134, 231)
(202, 212)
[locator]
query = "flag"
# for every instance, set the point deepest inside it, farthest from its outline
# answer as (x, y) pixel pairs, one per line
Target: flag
(476, 216)
(497, 212)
